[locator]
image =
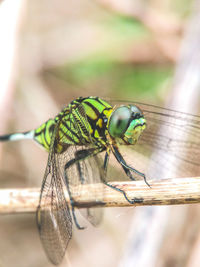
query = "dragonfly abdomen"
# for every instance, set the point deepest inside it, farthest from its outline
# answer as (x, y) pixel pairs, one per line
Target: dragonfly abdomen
(17, 136)
(43, 134)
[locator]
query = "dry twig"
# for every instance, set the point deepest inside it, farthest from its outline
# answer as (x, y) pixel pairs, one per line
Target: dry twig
(163, 192)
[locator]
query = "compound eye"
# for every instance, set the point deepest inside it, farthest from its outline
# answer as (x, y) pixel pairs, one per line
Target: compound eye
(136, 112)
(119, 121)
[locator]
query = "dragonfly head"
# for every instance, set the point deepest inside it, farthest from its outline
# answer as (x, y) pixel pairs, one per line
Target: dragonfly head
(126, 123)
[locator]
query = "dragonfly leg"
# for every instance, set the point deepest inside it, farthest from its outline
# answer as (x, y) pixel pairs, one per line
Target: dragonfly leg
(127, 171)
(131, 201)
(127, 168)
(106, 159)
(74, 217)
(80, 172)
(79, 155)
(68, 165)
(123, 163)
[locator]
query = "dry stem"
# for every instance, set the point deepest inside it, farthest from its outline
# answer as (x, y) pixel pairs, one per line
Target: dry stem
(164, 192)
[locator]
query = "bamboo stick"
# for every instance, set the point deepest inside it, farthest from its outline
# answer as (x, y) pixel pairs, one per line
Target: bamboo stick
(163, 192)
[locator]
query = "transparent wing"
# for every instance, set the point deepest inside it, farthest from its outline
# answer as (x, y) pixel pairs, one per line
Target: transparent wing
(90, 172)
(53, 215)
(82, 167)
(169, 146)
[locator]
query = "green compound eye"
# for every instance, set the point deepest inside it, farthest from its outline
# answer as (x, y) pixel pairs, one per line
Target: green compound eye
(119, 121)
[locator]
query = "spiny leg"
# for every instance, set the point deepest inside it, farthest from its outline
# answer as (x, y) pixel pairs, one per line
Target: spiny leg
(81, 178)
(126, 167)
(106, 159)
(70, 195)
(80, 155)
(121, 160)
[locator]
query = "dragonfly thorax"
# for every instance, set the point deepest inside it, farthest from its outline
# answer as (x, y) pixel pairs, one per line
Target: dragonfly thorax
(92, 120)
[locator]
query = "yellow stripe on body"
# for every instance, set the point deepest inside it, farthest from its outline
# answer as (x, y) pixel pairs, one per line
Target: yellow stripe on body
(74, 128)
(89, 111)
(66, 130)
(43, 133)
(100, 123)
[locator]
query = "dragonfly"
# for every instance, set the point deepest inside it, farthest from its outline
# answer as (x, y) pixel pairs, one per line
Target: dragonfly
(80, 141)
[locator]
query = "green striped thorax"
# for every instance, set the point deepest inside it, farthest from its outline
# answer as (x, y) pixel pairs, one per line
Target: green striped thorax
(92, 120)
(126, 124)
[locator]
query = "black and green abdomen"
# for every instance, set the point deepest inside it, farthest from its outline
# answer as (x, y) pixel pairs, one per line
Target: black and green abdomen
(43, 134)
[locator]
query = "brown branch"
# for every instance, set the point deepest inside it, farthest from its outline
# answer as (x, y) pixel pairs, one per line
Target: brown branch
(164, 192)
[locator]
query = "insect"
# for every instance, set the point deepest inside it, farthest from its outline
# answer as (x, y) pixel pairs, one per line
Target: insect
(89, 127)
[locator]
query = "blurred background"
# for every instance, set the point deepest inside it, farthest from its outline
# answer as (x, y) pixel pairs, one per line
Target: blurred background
(54, 51)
